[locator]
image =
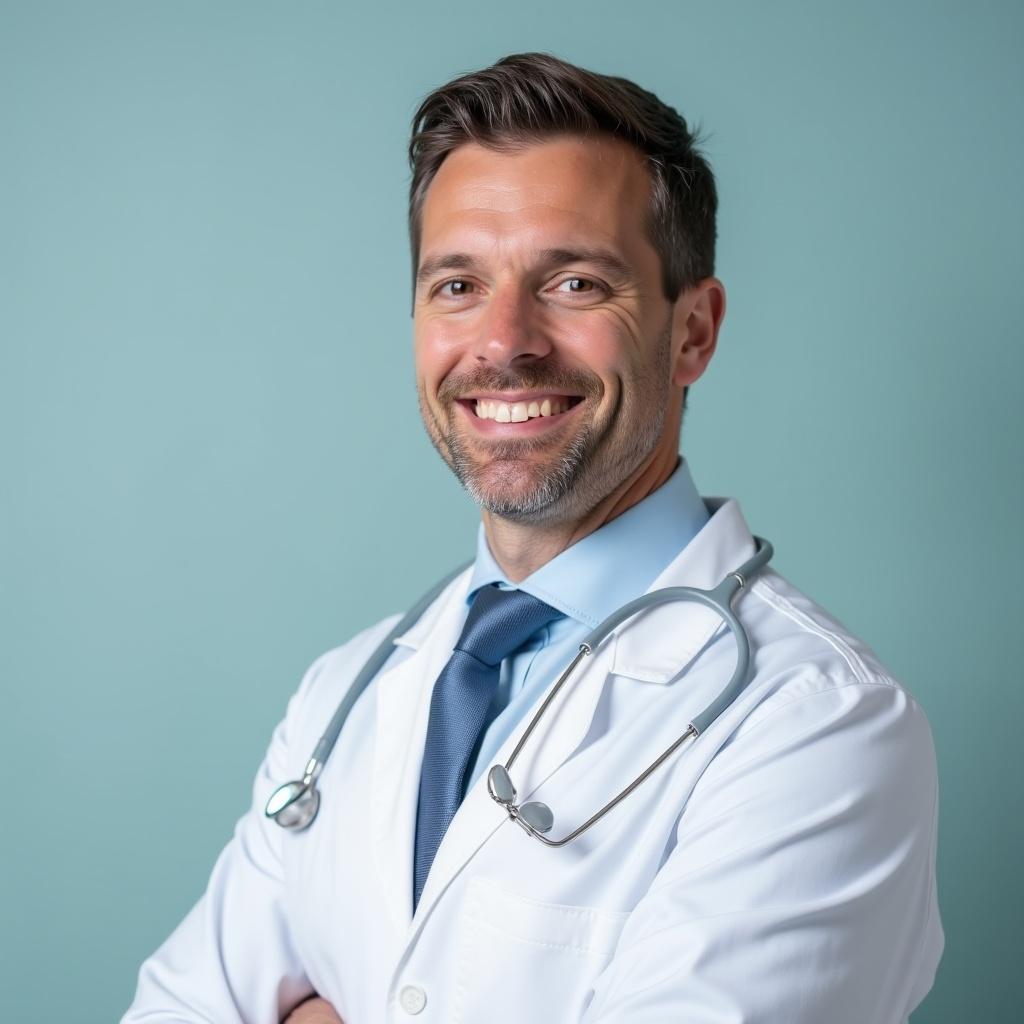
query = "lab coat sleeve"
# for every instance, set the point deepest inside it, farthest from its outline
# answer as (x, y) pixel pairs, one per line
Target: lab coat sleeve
(233, 959)
(801, 885)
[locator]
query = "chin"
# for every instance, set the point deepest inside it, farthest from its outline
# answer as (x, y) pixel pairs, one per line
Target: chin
(517, 492)
(505, 482)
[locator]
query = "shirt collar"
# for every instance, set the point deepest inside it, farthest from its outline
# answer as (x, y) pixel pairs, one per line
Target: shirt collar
(614, 564)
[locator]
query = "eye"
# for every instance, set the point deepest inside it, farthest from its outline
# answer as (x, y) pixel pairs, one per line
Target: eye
(578, 286)
(455, 289)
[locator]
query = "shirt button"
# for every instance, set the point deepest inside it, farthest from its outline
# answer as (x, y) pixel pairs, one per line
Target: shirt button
(412, 999)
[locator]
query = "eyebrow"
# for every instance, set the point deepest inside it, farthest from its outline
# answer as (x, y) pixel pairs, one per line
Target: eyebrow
(450, 261)
(604, 259)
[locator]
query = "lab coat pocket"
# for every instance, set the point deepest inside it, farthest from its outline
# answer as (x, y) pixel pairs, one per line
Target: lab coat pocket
(520, 959)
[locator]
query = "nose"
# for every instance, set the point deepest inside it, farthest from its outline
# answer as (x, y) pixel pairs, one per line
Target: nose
(510, 333)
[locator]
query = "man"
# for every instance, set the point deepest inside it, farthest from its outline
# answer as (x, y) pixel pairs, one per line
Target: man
(779, 867)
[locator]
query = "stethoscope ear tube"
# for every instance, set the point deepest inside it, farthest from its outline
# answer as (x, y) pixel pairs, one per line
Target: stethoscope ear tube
(720, 599)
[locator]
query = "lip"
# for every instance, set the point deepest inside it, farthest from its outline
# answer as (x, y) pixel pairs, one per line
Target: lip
(514, 396)
(529, 428)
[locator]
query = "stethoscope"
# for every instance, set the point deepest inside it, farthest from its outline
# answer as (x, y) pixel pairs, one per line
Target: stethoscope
(295, 804)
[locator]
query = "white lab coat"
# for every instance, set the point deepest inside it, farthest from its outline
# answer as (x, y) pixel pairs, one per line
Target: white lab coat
(780, 868)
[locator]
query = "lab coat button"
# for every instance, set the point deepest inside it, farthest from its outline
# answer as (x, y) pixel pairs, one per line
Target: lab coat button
(412, 999)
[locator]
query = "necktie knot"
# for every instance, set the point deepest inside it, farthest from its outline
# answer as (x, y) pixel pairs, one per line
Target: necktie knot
(500, 622)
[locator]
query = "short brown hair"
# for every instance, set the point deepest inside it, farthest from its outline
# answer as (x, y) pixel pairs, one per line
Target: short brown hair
(528, 96)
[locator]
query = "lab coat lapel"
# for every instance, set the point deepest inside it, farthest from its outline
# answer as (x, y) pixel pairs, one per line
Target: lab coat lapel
(558, 734)
(403, 709)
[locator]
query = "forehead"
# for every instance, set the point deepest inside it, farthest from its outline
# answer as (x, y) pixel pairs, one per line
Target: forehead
(565, 189)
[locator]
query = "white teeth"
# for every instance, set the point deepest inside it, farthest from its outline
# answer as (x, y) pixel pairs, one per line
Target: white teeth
(519, 412)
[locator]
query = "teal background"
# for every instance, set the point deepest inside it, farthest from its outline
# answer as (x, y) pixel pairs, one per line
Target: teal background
(213, 467)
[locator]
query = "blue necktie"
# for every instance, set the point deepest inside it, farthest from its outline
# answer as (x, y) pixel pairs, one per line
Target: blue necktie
(499, 622)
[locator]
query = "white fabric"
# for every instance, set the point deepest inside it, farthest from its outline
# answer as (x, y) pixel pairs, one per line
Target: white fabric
(781, 868)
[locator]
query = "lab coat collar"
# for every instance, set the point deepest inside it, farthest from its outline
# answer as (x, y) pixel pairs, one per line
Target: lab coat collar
(723, 544)
(417, 635)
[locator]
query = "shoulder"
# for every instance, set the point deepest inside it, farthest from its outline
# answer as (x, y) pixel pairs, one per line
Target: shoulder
(329, 677)
(327, 680)
(819, 687)
(827, 767)
(346, 659)
(805, 647)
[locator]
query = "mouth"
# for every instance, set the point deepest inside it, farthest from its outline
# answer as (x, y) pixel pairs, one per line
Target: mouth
(513, 414)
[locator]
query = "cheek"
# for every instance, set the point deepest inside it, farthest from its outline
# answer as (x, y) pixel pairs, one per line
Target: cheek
(435, 353)
(602, 346)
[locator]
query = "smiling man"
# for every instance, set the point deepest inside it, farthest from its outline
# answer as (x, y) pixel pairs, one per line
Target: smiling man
(779, 863)
(551, 363)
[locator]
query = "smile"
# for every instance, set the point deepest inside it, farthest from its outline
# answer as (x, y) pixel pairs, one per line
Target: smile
(520, 412)
(489, 410)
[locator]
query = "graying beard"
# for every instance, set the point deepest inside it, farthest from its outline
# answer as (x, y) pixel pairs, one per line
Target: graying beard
(544, 499)
(547, 500)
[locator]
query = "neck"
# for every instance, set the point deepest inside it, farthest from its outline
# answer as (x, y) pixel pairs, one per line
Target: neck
(522, 548)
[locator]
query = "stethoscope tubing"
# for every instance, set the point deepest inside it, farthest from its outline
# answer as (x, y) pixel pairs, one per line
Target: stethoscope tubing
(295, 804)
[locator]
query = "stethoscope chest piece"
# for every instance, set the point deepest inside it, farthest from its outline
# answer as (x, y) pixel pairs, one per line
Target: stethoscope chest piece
(294, 805)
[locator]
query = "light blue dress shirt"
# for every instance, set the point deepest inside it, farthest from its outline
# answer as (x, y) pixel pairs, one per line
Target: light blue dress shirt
(587, 582)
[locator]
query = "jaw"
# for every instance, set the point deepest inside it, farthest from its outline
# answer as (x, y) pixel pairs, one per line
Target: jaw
(553, 471)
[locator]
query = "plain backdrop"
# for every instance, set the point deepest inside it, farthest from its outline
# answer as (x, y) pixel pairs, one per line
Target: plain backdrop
(213, 467)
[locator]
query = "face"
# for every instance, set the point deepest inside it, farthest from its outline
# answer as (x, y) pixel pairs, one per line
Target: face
(544, 341)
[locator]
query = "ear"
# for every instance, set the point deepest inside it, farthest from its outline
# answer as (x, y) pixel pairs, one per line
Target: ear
(696, 317)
